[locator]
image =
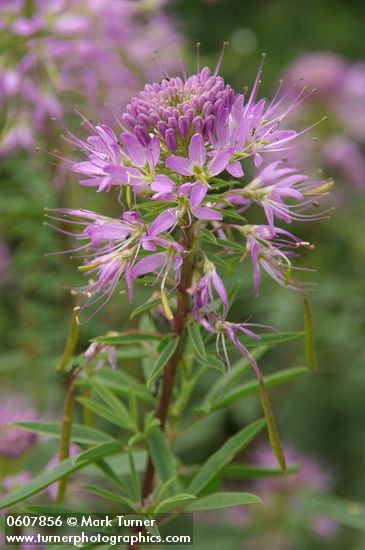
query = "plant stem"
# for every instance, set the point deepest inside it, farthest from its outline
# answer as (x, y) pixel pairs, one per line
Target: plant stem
(67, 422)
(171, 367)
(66, 434)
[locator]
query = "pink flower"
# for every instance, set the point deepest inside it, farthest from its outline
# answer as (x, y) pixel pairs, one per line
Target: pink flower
(203, 291)
(102, 151)
(275, 183)
(271, 249)
(113, 246)
(222, 328)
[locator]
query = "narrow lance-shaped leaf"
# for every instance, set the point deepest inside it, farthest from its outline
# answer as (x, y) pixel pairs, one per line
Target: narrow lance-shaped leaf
(104, 412)
(109, 495)
(239, 368)
(112, 475)
(246, 471)
(309, 334)
(266, 340)
(163, 489)
(173, 502)
(224, 455)
(57, 509)
(114, 404)
(222, 500)
(162, 457)
(79, 433)
(147, 306)
(197, 340)
(164, 357)
(136, 483)
(65, 468)
(213, 362)
(271, 426)
(120, 382)
(253, 387)
(95, 453)
(127, 338)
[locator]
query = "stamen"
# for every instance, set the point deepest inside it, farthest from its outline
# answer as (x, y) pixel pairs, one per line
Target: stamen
(183, 70)
(220, 59)
(157, 59)
(198, 44)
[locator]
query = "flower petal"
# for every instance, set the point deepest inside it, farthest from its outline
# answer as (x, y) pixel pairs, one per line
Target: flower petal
(221, 291)
(163, 222)
(197, 153)
(181, 165)
(135, 150)
(147, 265)
(219, 162)
(203, 213)
(198, 192)
(153, 151)
(235, 169)
(162, 184)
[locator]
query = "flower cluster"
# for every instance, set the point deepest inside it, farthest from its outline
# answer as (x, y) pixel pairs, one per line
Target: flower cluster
(182, 142)
(340, 94)
(48, 55)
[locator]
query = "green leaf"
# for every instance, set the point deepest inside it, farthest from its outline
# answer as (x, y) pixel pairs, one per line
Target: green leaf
(50, 509)
(351, 514)
(227, 213)
(120, 382)
(133, 408)
(224, 455)
(253, 387)
(79, 433)
(104, 412)
(114, 404)
(271, 426)
(160, 363)
(209, 236)
(162, 457)
(267, 340)
(309, 335)
(212, 361)
(154, 206)
(246, 471)
(93, 454)
(222, 500)
(133, 353)
(63, 469)
(217, 260)
(171, 503)
(197, 340)
(111, 474)
(240, 367)
(163, 489)
(147, 306)
(136, 483)
(108, 495)
(231, 244)
(127, 338)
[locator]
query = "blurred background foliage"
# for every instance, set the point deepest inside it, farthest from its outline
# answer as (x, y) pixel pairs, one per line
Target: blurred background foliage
(322, 414)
